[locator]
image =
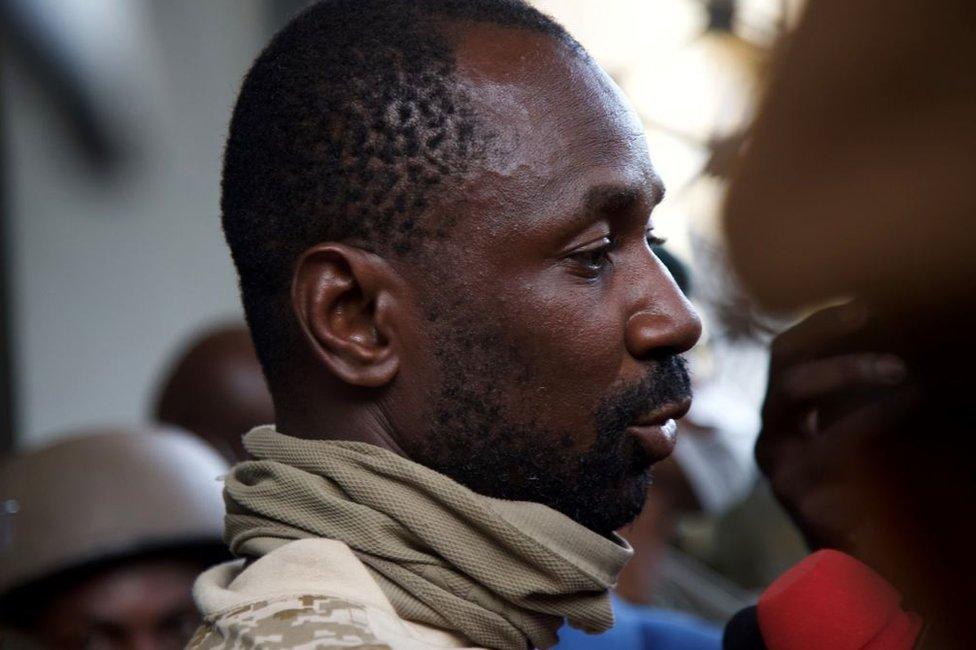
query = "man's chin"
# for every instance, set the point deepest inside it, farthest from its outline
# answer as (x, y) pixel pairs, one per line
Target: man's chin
(611, 508)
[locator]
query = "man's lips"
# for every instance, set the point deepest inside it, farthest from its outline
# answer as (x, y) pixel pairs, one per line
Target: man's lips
(657, 430)
(660, 415)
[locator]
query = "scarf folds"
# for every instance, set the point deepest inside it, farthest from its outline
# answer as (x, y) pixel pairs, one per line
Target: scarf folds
(503, 573)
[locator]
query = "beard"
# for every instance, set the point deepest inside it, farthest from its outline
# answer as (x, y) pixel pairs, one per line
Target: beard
(473, 438)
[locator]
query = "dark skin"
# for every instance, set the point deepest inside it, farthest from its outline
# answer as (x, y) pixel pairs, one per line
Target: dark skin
(826, 418)
(138, 605)
(860, 441)
(222, 366)
(651, 532)
(878, 472)
(548, 250)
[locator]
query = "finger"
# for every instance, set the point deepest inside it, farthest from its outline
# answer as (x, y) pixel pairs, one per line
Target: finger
(884, 416)
(782, 458)
(804, 384)
(839, 444)
(823, 508)
(817, 333)
(827, 506)
(814, 380)
(854, 446)
(831, 514)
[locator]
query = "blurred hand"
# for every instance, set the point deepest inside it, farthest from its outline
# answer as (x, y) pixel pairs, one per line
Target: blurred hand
(826, 415)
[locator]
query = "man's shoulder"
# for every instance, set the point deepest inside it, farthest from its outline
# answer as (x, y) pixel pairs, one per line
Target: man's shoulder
(293, 622)
(310, 593)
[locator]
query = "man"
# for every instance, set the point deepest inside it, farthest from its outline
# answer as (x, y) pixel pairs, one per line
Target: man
(101, 537)
(215, 389)
(440, 215)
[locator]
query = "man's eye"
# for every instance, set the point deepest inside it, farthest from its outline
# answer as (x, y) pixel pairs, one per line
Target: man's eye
(593, 260)
(654, 240)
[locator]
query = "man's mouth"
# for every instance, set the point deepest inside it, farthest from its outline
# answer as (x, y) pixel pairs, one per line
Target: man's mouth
(657, 430)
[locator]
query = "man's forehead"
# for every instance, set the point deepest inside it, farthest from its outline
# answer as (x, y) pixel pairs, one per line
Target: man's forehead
(501, 53)
(559, 124)
(519, 76)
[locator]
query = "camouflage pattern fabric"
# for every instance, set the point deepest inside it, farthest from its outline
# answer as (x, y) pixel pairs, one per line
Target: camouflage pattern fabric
(289, 623)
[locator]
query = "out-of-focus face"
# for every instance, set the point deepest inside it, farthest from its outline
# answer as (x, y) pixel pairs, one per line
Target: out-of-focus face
(548, 367)
(224, 367)
(140, 605)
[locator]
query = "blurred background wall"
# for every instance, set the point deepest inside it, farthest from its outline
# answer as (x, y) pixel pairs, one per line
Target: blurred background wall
(114, 258)
(114, 253)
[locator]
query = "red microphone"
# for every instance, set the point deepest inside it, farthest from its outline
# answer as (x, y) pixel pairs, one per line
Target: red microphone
(831, 600)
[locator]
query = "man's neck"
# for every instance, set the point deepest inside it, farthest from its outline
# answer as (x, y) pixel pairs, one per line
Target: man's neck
(361, 424)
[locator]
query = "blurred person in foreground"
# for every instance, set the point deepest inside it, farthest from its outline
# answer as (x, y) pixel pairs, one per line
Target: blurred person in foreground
(857, 182)
(101, 537)
(440, 215)
(215, 389)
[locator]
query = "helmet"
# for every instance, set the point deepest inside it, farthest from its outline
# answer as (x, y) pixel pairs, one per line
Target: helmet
(98, 496)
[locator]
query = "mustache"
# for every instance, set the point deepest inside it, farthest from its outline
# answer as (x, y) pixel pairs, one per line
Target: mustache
(667, 381)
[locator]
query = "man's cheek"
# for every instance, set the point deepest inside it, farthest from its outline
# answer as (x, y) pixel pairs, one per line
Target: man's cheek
(570, 336)
(566, 402)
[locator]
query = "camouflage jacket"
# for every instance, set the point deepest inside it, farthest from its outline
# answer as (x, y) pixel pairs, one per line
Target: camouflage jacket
(308, 594)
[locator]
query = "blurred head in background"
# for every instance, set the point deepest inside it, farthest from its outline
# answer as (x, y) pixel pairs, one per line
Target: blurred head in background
(216, 390)
(102, 535)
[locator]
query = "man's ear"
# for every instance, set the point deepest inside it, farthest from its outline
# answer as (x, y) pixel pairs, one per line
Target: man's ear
(345, 301)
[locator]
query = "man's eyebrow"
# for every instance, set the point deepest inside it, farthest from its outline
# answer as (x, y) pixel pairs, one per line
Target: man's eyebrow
(613, 198)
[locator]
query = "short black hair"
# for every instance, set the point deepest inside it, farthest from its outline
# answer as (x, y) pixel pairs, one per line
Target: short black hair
(347, 126)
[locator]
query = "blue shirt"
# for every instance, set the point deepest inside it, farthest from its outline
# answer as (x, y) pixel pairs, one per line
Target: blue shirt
(645, 627)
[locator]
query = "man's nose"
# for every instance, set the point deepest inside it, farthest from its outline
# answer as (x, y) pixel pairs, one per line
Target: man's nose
(667, 323)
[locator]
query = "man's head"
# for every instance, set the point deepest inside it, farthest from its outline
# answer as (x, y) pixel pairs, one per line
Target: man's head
(216, 390)
(143, 601)
(440, 213)
(102, 535)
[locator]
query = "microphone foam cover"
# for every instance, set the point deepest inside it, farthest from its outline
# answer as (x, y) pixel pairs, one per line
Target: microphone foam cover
(831, 600)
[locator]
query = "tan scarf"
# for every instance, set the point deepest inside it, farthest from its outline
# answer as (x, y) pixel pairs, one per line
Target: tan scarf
(503, 573)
